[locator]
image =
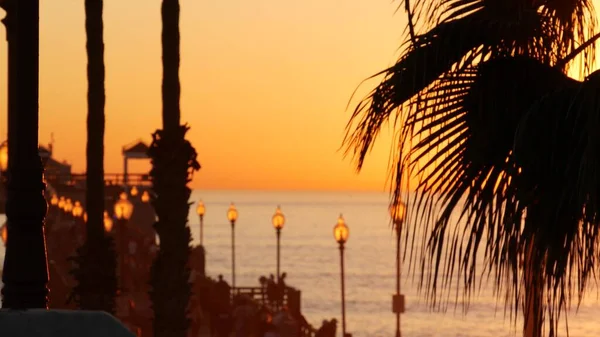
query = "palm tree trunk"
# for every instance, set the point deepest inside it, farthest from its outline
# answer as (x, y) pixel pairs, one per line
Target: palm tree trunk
(97, 282)
(173, 159)
(25, 275)
(533, 309)
(171, 88)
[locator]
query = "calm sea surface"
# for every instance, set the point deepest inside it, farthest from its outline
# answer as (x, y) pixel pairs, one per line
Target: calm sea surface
(310, 257)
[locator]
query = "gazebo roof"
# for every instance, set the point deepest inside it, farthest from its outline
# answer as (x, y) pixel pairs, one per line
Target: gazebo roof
(136, 149)
(44, 151)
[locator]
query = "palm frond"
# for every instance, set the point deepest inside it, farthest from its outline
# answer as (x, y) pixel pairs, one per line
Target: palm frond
(458, 43)
(468, 166)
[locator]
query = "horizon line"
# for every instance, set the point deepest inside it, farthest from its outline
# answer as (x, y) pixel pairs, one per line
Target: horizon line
(255, 189)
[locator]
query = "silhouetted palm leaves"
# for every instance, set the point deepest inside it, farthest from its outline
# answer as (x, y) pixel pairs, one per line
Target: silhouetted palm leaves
(494, 131)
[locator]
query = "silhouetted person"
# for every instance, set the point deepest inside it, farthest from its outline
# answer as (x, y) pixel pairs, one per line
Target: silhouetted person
(331, 328)
(271, 330)
(243, 314)
(286, 324)
(264, 321)
(223, 291)
(281, 288)
(272, 290)
(322, 329)
(223, 311)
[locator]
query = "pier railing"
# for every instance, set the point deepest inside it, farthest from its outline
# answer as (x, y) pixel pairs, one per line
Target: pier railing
(78, 179)
(290, 299)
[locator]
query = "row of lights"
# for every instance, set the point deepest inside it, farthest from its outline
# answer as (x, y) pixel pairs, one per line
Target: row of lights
(340, 231)
(123, 209)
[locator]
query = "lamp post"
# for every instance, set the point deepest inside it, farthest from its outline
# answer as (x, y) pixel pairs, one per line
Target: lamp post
(53, 210)
(54, 200)
(200, 210)
(340, 234)
(4, 233)
(108, 223)
(397, 213)
(3, 157)
(232, 215)
(68, 208)
(77, 210)
(77, 213)
(145, 197)
(278, 222)
(123, 210)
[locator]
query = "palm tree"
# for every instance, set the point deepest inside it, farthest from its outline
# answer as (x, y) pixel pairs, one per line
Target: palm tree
(465, 91)
(173, 162)
(96, 260)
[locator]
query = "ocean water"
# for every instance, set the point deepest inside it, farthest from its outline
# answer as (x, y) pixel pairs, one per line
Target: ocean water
(310, 257)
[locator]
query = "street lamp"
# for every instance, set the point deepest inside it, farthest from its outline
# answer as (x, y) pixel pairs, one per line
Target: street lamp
(54, 200)
(61, 203)
(145, 196)
(134, 191)
(232, 215)
(77, 209)
(341, 233)
(123, 210)
(200, 210)
(108, 223)
(398, 213)
(4, 233)
(68, 206)
(278, 222)
(85, 217)
(3, 157)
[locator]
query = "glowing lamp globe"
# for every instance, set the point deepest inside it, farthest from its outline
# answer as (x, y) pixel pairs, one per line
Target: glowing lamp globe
(232, 213)
(4, 233)
(278, 218)
(134, 191)
(398, 213)
(54, 200)
(340, 231)
(77, 209)
(108, 223)
(61, 203)
(85, 217)
(145, 196)
(68, 206)
(200, 209)
(4, 157)
(123, 208)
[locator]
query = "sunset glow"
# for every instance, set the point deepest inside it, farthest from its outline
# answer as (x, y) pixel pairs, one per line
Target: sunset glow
(265, 86)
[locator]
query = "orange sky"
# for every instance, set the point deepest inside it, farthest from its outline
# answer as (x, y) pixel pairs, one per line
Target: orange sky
(265, 85)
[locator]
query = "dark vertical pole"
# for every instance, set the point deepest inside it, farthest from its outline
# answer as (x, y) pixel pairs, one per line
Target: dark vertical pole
(25, 275)
(202, 230)
(11, 37)
(123, 248)
(278, 252)
(232, 255)
(343, 291)
(398, 279)
(279, 298)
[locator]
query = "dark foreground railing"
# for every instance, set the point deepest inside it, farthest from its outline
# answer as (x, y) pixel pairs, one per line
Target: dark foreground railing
(290, 299)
